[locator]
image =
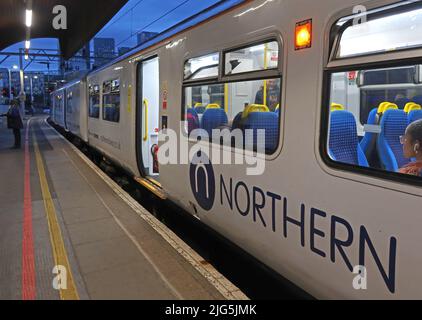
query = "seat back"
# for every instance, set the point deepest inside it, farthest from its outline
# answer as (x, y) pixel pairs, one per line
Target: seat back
(414, 115)
(262, 120)
(369, 141)
(390, 150)
(344, 142)
(213, 118)
(199, 108)
(237, 121)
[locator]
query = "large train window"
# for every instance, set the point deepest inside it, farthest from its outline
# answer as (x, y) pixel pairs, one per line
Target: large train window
(241, 109)
(372, 116)
(111, 100)
(94, 101)
(258, 57)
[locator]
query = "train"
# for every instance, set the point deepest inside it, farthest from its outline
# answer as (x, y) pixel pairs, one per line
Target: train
(319, 93)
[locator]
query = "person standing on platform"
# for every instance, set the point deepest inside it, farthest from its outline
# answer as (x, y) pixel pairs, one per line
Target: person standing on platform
(14, 122)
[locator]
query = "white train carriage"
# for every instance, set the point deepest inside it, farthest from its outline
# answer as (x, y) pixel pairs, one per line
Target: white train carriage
(333, 85)
(76, 109)
(58, 107)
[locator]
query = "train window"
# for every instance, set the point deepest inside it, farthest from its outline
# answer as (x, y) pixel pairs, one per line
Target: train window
(380, 31)
(372, 117)
(94, 101)
(376, 126)
(111, 101)
(236, 106)
(202, 67)
(253, 58)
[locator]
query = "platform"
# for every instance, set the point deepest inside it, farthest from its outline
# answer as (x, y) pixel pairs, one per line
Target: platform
(58, 210)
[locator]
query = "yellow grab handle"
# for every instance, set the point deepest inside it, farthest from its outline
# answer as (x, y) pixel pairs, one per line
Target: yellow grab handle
(146, 119)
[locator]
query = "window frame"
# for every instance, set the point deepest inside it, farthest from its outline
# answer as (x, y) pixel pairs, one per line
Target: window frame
(349, 64)
(89, 101)
(375, 13)
(274, 73)
(190, 80)
(110, 93)
(250, 45)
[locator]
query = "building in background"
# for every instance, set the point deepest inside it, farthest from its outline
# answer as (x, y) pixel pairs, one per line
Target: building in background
(80, 61)
(145, 36)
(104, 51)
(123, 50)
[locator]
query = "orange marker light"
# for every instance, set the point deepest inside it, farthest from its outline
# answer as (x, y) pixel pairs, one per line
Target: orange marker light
(303, 35)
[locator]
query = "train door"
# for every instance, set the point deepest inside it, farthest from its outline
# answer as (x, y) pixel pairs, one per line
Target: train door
(148, 108)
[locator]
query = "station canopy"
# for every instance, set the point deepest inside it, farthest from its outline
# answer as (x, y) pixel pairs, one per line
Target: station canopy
(85, 18)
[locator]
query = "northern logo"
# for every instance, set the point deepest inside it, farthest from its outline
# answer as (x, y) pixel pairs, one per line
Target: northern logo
(202, 181)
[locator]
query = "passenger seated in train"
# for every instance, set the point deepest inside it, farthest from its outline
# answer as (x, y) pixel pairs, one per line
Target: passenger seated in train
(273, 95)
(412, 149)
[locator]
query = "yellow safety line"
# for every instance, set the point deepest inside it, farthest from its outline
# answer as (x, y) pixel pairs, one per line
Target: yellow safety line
(57, 243)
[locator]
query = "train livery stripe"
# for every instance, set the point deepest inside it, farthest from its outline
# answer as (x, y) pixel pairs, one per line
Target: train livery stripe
(28, 259)
(57, 243)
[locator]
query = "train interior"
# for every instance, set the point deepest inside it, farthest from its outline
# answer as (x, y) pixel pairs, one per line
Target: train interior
(240, 104)
(370, 111)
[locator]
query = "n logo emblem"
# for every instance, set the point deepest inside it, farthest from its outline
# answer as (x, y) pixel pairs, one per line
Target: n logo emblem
(202, 182)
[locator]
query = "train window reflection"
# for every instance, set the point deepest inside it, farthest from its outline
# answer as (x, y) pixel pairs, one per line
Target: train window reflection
(237, 106)
(376, 120)
(259, 57)
(202, 67)
(94, 101)
(111, 100)
(397, 31)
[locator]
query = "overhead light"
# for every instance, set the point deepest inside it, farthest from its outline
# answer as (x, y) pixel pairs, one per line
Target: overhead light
(15, 67)
(26, 77)
(35, 77)
(26, 57)
(27, 44)
(28, 20)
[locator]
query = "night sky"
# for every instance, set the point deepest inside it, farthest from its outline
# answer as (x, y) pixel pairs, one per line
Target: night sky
(135, 16)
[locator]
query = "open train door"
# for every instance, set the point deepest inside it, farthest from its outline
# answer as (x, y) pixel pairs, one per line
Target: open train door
(148, 109)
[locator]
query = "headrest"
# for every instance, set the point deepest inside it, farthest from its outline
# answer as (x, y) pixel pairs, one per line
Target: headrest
(411, 106)
(387, 106)
(254, 108)
(198, 105)
(382, 106)
(337, 107)
(213, 106)
(278, 107)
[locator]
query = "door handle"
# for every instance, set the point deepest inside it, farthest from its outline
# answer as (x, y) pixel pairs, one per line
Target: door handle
(146, 104)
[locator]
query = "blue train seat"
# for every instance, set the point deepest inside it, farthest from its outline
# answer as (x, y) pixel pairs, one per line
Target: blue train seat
(369, 141)
(344, 142)
(199, 108)
(213, 118)
(414, 115)
(260, 118)
(390, 150)
(237, 121)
